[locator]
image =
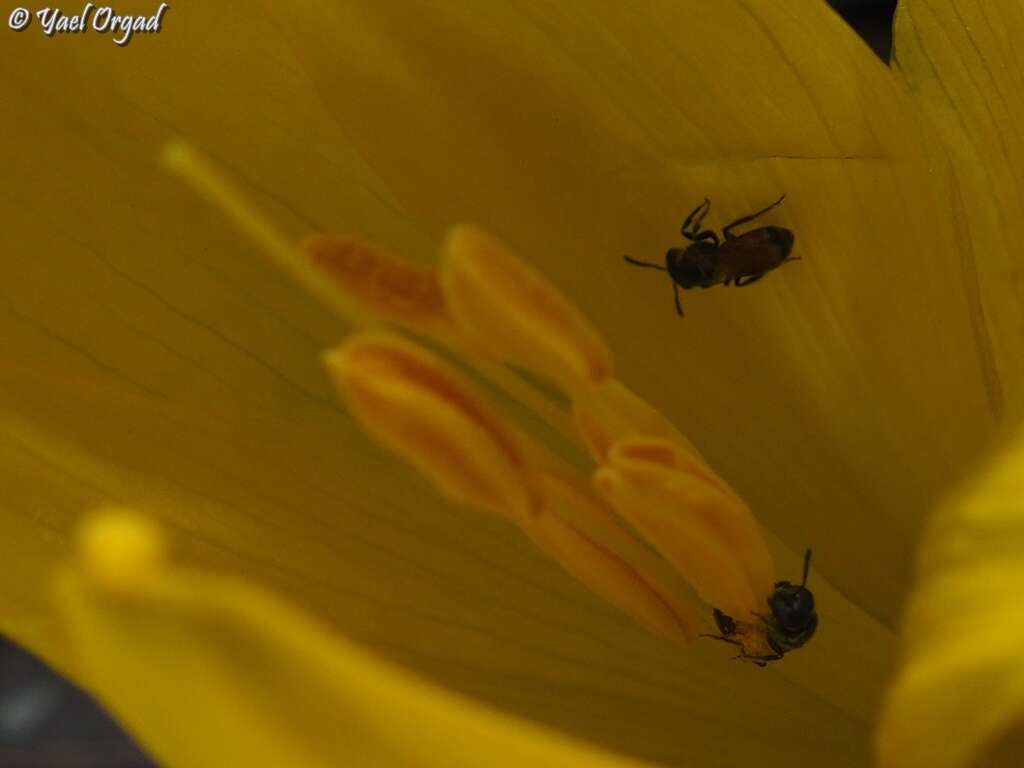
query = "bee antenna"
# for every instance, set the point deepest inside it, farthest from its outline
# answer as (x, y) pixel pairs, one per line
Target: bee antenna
(638, 263)
(807, 566)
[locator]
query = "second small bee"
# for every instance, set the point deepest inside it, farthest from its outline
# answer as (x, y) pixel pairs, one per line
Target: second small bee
(789, 626)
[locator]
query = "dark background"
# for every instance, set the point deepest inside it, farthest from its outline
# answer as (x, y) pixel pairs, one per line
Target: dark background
(47, 722)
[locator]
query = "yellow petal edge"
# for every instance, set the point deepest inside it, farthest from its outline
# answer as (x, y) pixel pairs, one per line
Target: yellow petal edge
(959, 698)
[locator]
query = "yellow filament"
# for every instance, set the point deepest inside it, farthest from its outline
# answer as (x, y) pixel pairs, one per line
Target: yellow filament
(185, 161)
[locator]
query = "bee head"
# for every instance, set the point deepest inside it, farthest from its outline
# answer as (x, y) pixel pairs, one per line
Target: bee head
(792, 607)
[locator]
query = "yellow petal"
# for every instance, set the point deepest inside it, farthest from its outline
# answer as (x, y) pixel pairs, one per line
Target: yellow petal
(962, 65)
(516, 314)
(428, 414)
(208, 671)
(453, 594)
(173, 366)
(959, 697)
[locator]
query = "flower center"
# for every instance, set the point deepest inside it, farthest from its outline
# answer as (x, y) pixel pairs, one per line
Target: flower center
(494, 312)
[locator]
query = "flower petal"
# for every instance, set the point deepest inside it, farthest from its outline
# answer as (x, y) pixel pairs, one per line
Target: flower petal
(960, 692)
(208, 671)
(452, 594)
(171, 368)
(963, 68)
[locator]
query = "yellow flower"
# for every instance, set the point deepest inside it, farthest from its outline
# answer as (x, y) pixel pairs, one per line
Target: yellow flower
(153, 361)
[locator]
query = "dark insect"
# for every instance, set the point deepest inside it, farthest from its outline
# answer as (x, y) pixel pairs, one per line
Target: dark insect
(791, 624)
(740, 260)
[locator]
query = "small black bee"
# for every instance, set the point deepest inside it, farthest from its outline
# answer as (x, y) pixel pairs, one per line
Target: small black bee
(791, 624)
(740, 260)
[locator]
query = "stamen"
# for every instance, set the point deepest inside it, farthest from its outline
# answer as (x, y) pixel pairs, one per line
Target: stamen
(611, 411)
(671, 523)
(388, 287)
(571, 527)
(662, 461)
(120, 550)
(183, 160)
(516, 314)
(662, 464)
(491, 306)
(430, 415)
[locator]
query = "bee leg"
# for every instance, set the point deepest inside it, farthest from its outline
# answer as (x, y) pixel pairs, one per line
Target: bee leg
(759, 661)
(728, 640)
(753, 279)
(728, 230)
(675, 295)
(725, 623)
(706, 234)
(686, 229)
(762, 660)
(752, 659)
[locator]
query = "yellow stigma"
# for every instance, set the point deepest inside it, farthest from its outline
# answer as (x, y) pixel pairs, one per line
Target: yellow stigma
(120, 550)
